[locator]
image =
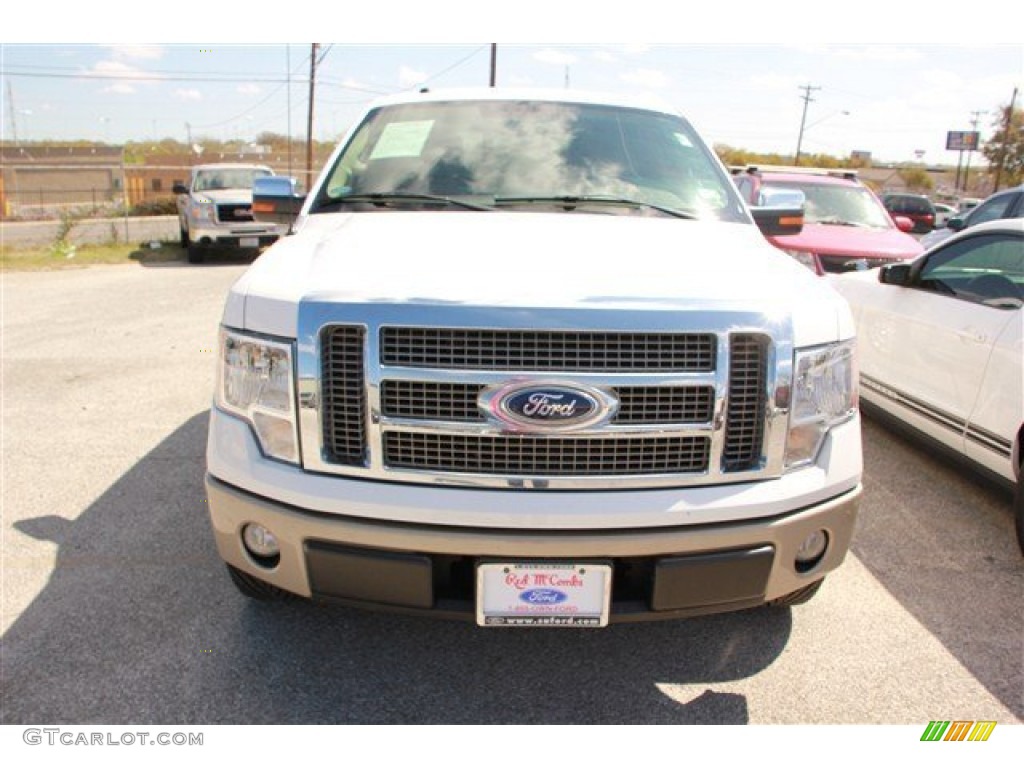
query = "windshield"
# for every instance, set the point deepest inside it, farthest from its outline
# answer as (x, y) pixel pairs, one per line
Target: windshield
(839, 204)
(524, 153)
(227, 178)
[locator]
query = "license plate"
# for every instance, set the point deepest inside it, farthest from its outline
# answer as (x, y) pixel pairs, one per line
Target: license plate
(543, 594)
(249, 242)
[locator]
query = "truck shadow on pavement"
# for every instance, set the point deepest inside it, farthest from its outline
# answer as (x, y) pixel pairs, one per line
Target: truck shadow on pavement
(139, 623)
(941, 540)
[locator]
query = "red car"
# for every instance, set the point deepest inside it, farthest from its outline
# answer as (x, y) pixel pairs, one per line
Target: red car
(845, 225)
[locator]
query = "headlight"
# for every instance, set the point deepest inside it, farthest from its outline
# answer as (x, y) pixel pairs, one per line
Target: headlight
(807, 259)
(201, 210)
(824, 395)
(255, 382)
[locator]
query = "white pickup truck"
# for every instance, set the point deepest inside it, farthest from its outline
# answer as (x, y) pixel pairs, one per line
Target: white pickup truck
(215, 210)
(525, 359)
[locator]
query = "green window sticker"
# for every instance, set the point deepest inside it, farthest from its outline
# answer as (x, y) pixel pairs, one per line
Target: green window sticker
(402, 139)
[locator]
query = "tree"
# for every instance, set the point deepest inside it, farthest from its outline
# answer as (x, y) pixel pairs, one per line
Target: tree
(1006, 147)
(917, 179)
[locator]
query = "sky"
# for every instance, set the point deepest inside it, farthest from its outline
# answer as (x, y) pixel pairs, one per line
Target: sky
(895, 97)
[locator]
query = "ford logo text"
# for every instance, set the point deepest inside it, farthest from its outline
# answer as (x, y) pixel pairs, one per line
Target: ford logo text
(543, 596)
(543, 407)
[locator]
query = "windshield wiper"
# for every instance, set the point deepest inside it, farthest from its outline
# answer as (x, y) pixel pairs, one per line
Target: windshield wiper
(837, 222)
(388, 199)
(571, 202)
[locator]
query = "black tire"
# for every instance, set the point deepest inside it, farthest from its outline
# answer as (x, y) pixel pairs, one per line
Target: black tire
(1018, 509)
(799, 597)
(256, 589)
(196, 255)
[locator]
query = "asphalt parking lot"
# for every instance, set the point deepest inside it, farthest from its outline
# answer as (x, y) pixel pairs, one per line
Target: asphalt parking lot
(116, 608)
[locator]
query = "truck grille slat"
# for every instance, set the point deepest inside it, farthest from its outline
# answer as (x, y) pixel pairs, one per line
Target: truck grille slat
(344, 395)
(519, 455)
(458, 402)
(459, 348)
(745, 415)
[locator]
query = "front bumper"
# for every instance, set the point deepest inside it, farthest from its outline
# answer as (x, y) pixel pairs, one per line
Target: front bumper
(232, 237)
(658, 573)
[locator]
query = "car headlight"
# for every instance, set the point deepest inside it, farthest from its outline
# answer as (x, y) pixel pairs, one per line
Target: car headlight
(824, 395)
(201, 210)
(255, 382)
(803, 257)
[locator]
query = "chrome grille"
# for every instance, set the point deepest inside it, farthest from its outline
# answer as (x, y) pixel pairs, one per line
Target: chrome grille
(443, 401)
(344, 395)
(232, 212)
(744, 431)
(373, 403)
(664, 405)
(494, 350)
(519, 455)
(440, 401)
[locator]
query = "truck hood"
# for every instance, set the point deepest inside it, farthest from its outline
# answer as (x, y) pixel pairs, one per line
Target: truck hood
(861, 242)
(532, 260)
(227, 196)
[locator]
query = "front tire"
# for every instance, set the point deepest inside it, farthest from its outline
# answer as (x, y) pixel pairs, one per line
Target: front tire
(799, 597)
(1018, 509)
(255, 589)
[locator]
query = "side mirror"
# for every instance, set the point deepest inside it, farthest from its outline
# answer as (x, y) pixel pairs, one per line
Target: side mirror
(179, 189)
(275, 200)
(903, 224)
(956, 223)
(778, 222)
(894, 274)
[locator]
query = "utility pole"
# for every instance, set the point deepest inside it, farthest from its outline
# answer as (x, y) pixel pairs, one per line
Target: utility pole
(974, 124)
(14, 120)
(494, 64)
(309, 119)
(1007, 124)
(288, 68)
(803, 120)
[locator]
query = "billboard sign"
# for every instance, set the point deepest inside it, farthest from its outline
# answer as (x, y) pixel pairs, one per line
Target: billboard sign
(962, 140)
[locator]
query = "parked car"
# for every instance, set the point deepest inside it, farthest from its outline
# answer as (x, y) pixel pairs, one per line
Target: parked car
(918, 208)
(1008, 204)
(940, 347)
(215, 210)
(845, 225)
(943, 213)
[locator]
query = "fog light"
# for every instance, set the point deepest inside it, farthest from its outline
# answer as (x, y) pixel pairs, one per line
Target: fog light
(260, 542)
(811, 551)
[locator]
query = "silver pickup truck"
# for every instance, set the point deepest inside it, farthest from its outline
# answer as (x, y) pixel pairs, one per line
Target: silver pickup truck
(215, 210)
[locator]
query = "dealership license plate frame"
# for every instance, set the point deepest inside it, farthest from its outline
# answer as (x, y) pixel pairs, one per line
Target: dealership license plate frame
(248, 242)
(498, 602)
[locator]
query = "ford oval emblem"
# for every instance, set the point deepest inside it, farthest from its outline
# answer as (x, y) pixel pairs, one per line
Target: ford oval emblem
(547, 407)
(543, 596)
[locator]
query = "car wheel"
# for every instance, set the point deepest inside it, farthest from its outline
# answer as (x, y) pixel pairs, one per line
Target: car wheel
(1018, 509)
(255, 589)
(799, 597)
(196, 255)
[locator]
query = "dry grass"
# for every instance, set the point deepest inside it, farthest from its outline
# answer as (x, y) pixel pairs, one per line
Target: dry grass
(50, 258)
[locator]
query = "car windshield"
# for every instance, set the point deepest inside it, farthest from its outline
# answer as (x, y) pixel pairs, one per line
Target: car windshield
(839, 204)
(227, 178)
(536, 154)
